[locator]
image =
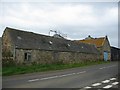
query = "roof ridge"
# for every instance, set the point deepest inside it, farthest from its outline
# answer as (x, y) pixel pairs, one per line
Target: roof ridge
(97, 41)
(20, 30)
(93, 38)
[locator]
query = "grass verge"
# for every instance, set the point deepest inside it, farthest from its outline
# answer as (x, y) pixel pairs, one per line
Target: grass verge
(14, 70)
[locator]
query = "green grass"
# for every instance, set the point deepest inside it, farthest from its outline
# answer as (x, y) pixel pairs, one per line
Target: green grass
(14, 70)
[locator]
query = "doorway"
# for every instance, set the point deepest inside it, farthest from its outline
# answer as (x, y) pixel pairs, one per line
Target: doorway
(105, 56)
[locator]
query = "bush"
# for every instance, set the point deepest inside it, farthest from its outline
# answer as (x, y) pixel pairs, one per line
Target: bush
(6, 62)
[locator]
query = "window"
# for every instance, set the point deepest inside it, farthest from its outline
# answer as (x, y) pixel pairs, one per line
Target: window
(50, 42)
(19, 37)
(27, 56)
(68, 45)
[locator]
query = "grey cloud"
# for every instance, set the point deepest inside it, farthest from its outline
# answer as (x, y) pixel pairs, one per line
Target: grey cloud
(66, 17)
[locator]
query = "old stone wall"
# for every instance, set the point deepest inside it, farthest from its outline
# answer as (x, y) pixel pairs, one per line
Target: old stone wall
(75, 57)
(43, 57)
(106, 47)
(7, 46)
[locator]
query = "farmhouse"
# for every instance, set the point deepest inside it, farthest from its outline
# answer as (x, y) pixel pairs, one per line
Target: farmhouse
(28, 47)
(102, 45)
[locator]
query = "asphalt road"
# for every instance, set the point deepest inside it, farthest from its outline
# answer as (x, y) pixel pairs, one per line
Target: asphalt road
(69, 78)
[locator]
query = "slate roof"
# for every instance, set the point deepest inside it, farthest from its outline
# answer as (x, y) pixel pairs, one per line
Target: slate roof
(115, 48)
(96, 41)
(29, 40)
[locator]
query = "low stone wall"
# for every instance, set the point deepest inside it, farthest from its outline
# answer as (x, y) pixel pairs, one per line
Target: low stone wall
(43, 57)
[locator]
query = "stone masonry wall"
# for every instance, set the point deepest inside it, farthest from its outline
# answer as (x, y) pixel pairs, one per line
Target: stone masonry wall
(7, 46)
(43, 57)
(106, 47)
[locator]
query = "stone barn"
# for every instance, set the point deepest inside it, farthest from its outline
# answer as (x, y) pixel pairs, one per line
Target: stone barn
(28, 47)
(102, 45)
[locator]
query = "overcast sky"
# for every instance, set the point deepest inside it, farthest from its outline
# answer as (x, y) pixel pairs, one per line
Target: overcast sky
(76, 19)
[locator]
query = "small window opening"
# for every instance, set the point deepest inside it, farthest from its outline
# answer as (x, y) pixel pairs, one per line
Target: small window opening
(19, 37)
(27, 56)
(50, 42)
(68, 45)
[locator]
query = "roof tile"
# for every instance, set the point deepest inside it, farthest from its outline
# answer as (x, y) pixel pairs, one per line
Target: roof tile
(96, 41)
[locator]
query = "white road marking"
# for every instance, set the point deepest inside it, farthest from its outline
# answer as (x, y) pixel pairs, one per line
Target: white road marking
(102, 67)
(87, 87)
(108, 86)
(107, 67)
(96, 84)
(81, 72)
(113, 79)
(115, 83)
(64, 75)
(106, 81)
(33, 80)
(48, 78)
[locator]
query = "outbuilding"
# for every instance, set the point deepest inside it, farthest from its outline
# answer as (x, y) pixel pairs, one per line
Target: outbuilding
(102, 44)
(28, 47)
